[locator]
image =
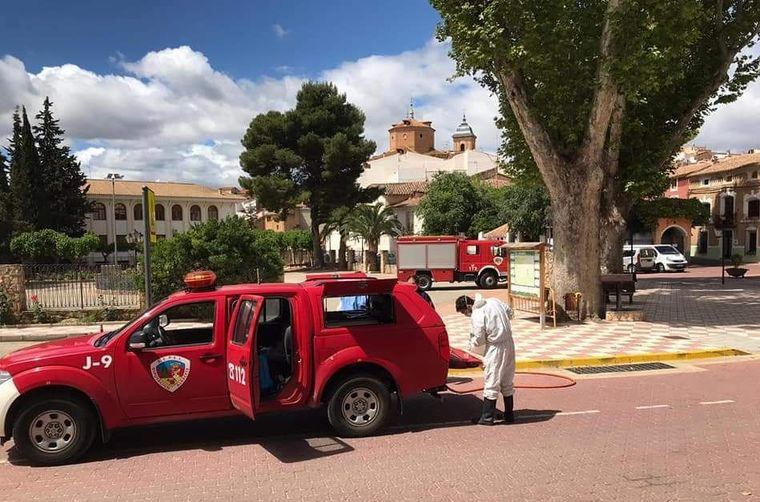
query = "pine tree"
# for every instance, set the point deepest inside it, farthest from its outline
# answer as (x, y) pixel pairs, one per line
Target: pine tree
(62, 174)
(27, 193)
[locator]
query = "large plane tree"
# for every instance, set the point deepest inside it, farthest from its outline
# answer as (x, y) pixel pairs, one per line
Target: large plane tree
(595, 97)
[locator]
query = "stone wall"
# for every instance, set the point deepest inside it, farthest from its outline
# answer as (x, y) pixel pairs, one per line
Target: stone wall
(12, 284)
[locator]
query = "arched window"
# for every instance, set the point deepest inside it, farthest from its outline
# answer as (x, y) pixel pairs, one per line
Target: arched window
(120, 211)
(176, 212)
(213, 213)
(728, 206)
(160, 216)
(753, 208)
(137, 212)
(98, 211)
(461, 147)
(195, 213)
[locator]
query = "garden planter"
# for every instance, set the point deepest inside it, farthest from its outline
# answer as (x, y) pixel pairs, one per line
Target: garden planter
(736, 272)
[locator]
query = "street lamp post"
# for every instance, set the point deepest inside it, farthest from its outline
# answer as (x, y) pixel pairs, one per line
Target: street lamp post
(113, 177)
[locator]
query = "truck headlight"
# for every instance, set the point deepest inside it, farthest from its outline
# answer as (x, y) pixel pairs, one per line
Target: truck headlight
(4, 376)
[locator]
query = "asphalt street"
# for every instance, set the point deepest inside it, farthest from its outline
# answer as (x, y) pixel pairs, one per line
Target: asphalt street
(685, 434)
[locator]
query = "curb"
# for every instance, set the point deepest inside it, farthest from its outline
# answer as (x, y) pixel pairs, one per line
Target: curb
(616, 359)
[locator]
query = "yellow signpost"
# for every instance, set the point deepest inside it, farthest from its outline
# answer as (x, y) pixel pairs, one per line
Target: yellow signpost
(151, 212)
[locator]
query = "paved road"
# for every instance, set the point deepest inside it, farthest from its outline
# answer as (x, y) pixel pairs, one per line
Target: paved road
(688, 435)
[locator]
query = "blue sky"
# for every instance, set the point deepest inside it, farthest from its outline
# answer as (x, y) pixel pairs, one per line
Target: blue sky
(238, 36)
(164, 90)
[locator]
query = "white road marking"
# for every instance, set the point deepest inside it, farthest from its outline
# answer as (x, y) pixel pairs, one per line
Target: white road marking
(725, 401)
(586, 412)
(652, 406)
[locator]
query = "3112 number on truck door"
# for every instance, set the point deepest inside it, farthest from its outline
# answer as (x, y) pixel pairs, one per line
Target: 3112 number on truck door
(242, 365)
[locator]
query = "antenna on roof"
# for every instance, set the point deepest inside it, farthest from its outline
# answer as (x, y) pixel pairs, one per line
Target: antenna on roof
(411, 108)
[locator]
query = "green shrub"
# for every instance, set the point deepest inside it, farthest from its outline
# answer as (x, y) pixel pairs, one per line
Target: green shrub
(236, 252)
(5, 308)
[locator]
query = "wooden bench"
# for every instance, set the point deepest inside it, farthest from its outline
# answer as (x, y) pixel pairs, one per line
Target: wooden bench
(620, 285)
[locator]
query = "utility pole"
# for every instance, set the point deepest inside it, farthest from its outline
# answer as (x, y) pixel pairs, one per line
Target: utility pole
(149, 219)
(113, 177)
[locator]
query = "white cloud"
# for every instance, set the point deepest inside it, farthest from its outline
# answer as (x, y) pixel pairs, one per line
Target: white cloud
(171, 116)
(279, 31)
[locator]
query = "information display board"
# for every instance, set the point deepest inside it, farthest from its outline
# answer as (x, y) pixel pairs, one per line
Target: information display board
(525, 272)
(527, 289)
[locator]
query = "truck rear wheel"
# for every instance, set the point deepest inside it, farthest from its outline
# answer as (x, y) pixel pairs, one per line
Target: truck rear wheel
(54, 431)
(424, 281)
(488, 280)
(360, 406)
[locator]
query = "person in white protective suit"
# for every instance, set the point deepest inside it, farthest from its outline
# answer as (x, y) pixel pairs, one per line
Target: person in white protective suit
(492, 334)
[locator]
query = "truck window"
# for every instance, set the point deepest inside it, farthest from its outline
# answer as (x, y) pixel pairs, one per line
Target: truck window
(472, 250)
(370, 310)
(498, 251)
(243, 322)
(185, 324)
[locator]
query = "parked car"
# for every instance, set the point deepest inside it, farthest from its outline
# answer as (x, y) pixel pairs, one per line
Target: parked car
(665, 258)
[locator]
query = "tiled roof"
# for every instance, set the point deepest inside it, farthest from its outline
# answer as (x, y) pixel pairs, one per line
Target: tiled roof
(412, 123)
(498, 232)
(163, 190)
(404, 188)
(721, 166)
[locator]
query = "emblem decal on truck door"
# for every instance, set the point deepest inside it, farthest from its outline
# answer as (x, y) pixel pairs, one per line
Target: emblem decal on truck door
(170, 372)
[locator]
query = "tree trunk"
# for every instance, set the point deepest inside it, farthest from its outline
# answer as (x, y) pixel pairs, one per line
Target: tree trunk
(342, 262)
(372, 258)
(613, 235)
(316, 249)
(576, 225)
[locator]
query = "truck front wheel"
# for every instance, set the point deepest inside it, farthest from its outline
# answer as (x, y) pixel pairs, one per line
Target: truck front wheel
(54, 431)
(360, 406)
(488, 280)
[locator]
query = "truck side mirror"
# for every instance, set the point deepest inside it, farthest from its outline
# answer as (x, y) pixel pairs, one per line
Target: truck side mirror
(137, 340)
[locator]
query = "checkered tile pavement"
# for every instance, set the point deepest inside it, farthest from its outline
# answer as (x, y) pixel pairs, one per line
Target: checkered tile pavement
(680, 317)
(592, 339)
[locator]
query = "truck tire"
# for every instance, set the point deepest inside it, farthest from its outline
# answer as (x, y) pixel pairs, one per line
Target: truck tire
(54, 431)
(424, 281)
(488, 280)
(360, 406)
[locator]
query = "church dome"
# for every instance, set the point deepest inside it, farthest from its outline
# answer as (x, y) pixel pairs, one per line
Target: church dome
(463, 130)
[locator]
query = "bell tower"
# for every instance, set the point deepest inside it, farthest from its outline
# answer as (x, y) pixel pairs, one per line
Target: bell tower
(463, 138)
(411, 134)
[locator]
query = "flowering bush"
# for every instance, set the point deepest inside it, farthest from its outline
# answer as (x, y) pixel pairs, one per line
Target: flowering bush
(38, 313)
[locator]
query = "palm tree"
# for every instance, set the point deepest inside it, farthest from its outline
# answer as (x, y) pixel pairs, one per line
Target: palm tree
(339, 222)
(371, 222)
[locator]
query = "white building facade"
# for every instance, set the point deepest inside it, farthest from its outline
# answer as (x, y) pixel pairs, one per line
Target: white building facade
(117, 210)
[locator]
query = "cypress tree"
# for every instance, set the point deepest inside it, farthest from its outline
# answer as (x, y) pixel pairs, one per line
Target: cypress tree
(27, 193)
(67, 202)
(5, 217)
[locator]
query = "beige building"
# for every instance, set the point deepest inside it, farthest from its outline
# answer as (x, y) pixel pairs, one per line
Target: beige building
(178, 207)
(730, 186)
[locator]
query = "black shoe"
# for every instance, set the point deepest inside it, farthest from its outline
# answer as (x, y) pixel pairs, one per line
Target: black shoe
(489, 412)
(509, 414)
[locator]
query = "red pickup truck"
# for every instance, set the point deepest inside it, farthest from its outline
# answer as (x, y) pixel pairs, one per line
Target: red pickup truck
(351, 344)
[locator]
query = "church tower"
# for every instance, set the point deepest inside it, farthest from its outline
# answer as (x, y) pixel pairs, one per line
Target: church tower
(412, 135)
(464, 138)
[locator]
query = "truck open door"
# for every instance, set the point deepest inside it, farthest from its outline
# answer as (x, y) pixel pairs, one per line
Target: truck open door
(242, 362)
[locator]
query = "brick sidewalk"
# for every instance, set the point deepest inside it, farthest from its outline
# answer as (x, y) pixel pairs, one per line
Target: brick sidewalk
(681, 317)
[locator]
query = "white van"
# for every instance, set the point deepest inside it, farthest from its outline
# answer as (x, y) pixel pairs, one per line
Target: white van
(667, 258)
(634, 260)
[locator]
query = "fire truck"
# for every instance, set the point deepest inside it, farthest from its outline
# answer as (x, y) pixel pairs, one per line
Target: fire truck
(354, 345)
(451, 259)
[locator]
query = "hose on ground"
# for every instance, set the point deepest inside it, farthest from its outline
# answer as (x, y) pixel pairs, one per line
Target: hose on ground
(569, 382)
